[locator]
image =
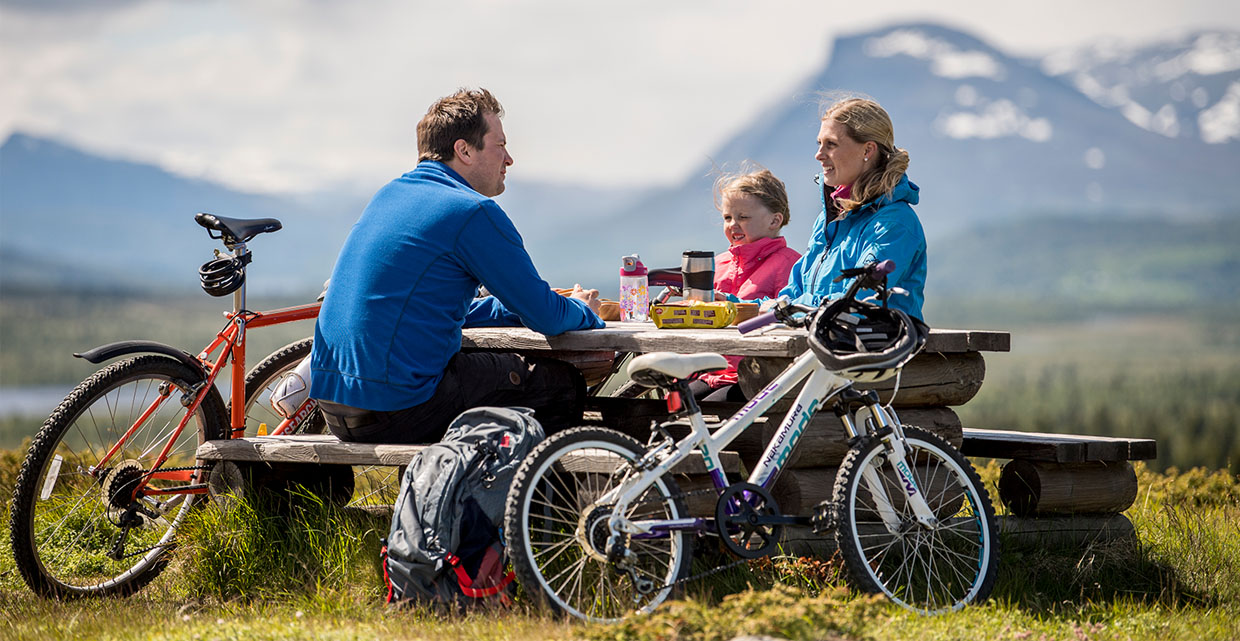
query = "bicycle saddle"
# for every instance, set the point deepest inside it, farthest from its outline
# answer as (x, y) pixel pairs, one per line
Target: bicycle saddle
(654, 369)
(236, 230)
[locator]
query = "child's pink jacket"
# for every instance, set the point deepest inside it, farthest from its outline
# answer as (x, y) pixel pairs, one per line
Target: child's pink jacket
(757, 270)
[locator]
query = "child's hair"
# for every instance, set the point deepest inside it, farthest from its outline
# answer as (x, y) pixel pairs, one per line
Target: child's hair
(757, 181)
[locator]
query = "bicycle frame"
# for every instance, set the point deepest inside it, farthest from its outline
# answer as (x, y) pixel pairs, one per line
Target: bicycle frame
(822, 386)
(230, 343)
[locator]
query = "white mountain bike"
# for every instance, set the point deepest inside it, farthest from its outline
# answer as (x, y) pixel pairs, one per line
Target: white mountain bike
(909, 514)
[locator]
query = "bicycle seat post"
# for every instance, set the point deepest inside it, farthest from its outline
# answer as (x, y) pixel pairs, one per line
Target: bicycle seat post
(239, 252)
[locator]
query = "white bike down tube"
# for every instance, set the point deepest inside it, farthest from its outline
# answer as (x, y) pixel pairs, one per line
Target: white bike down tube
(821, 385)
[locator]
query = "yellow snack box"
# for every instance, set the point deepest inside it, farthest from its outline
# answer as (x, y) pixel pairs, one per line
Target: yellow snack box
(690, 313)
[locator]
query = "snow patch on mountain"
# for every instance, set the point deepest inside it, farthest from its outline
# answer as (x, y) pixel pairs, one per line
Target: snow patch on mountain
(1165, 88)
(1221, 122)
(1209, 54)
(982, 117)
(946, 60)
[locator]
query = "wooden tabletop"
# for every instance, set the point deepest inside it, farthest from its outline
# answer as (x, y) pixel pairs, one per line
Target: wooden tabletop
(645, 338)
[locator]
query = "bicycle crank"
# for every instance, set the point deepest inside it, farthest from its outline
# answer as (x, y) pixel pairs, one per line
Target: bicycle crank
(748, 520)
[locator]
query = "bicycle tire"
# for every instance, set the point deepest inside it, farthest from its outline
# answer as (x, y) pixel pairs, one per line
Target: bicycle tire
(927, 571)
(60, 527)
(545, 510)
(262, 379)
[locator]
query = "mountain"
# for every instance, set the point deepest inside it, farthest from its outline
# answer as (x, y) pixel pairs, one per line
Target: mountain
(1186, 88)
(71, 220)
(1101, 132)
(991, 138)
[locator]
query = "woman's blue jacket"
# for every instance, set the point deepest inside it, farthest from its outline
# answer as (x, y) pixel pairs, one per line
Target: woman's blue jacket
(885, 228)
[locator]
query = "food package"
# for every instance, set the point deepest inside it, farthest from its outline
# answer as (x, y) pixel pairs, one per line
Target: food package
(693, 314)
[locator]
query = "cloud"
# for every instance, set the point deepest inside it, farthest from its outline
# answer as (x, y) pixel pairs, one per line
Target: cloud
(284, 95)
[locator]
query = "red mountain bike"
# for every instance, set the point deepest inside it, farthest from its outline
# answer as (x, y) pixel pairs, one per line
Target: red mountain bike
(113, 473)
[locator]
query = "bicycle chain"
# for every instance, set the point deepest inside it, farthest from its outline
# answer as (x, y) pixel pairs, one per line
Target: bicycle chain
(187, 468)
(700, 575)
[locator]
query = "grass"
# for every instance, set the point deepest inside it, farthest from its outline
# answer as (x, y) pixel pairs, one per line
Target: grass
(246, 572)
(311, 571)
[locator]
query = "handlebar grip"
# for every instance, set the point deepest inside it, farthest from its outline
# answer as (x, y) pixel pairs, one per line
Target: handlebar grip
(756, 323)
(884, 268)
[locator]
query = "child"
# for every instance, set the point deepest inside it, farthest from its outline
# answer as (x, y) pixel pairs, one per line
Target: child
(755, 210)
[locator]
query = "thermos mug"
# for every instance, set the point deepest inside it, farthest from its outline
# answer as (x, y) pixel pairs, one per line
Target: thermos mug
(698, 270)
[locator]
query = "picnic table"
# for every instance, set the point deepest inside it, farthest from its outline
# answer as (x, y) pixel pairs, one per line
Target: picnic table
(1049, 478)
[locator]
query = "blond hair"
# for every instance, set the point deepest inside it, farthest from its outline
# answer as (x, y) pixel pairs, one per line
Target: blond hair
(865, 121)
(757, 181)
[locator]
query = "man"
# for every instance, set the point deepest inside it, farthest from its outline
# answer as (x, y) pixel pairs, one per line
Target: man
(387, 366)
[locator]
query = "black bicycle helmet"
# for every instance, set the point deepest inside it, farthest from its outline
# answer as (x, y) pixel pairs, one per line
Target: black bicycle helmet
(863, 341)
(222, 276)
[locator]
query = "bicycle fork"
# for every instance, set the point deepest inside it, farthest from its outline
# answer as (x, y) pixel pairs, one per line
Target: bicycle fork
(891, 435)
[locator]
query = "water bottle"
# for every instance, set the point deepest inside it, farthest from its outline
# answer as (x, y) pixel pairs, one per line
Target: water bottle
(634, 290)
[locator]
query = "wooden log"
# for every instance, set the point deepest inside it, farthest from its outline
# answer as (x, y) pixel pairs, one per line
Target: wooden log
(1076, 531)
(1038, 487)
(823, 442)
(930, 379)
(1069, 532)
(700, 503)
(275, 485)
(799, 491)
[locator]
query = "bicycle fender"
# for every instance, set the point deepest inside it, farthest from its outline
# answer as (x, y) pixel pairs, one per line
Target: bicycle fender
(113, 350)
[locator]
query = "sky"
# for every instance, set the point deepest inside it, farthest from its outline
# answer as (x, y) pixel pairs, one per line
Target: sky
(295, 96)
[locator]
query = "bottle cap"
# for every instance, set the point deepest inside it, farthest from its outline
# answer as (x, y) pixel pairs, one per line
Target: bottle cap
(632, 266)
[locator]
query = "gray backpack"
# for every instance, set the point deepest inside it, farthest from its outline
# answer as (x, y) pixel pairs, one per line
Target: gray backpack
(444, 545)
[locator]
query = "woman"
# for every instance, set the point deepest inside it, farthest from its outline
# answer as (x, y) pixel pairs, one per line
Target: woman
(867, 210)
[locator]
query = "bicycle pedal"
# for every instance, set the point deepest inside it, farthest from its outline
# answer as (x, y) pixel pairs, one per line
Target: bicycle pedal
(823, 520)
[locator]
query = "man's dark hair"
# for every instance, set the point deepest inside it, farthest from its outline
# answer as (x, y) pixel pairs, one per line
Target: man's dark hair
(452, 118)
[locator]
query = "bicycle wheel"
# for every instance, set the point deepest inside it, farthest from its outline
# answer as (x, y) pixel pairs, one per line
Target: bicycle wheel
(74, 529)
(925, 570)
(557, 537)
(262, 380)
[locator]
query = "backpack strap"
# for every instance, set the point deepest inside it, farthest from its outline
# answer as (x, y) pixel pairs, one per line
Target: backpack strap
(467, 584)
(387, 580)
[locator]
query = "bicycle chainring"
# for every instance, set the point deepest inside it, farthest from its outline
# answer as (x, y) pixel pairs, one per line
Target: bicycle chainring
(738, 520)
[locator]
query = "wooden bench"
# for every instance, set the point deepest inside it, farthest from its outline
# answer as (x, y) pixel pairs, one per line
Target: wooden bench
(1062, 474)
(323, 463)
(1049, 477)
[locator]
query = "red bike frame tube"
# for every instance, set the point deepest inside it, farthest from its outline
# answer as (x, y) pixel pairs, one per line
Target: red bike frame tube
(132, 428)
(285, 315)
(256, 319)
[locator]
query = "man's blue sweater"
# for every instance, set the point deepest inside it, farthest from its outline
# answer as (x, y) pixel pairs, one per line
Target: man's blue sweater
(404, 286)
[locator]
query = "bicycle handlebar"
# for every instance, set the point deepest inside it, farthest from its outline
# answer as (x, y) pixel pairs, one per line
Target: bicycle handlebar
(757, 322)
(871, 276)
(670, 277)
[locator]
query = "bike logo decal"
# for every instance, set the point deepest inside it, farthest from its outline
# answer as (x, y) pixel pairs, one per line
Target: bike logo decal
(790, 437)
(309, 406)
(706, 458)
(754, 402)
(906, 477)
